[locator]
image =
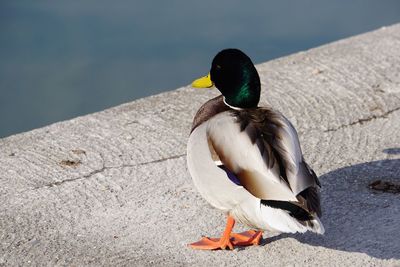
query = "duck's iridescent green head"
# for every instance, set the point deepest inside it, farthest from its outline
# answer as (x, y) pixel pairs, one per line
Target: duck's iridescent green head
(234, 75)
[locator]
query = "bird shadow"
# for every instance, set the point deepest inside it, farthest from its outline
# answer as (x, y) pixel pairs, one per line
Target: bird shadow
(358, 218)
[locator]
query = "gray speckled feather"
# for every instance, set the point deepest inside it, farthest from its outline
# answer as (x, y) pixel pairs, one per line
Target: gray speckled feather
(278, 142)
(277, 139)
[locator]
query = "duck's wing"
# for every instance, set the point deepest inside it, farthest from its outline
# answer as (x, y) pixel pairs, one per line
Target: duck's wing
(261, 147)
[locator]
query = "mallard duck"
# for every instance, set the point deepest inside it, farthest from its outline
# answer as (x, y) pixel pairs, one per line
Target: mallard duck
(246, 160)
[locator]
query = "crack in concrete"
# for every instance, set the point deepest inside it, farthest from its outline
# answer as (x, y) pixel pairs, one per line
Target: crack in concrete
(158, 160)
(362, 120)
(53, 184)
(102, 169)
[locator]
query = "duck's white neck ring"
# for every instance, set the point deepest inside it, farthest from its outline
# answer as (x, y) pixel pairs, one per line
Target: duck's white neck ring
(232, 107)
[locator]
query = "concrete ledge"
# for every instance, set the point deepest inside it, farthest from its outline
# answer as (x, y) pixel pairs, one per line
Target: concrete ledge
(111, 188)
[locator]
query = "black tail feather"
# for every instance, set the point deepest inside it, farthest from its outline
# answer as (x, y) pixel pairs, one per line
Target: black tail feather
(294, 210)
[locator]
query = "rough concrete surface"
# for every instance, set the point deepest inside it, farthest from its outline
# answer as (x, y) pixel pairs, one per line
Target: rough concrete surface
(112, 188)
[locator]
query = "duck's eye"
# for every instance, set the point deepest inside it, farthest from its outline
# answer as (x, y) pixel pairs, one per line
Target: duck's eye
(218, 67)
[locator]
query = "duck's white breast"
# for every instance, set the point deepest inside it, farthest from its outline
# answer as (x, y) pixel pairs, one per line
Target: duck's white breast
(210, 180)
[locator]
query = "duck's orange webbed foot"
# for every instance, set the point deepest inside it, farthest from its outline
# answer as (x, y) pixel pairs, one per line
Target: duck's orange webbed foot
(248, 238)
(229, 239)
(212, 243)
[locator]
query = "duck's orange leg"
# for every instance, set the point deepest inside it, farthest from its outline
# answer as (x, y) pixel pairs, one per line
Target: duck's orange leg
(229, 239)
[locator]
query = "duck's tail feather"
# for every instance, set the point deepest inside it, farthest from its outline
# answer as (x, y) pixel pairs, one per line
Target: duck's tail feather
(315, 225)
(308, 220)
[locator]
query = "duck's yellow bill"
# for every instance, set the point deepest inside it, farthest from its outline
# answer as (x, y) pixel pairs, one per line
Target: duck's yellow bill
(203, 82)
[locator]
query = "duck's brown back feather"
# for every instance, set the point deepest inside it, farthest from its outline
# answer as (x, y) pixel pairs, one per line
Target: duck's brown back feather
(208, 110)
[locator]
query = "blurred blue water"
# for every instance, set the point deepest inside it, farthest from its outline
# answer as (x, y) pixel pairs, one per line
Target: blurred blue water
(61, 59)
